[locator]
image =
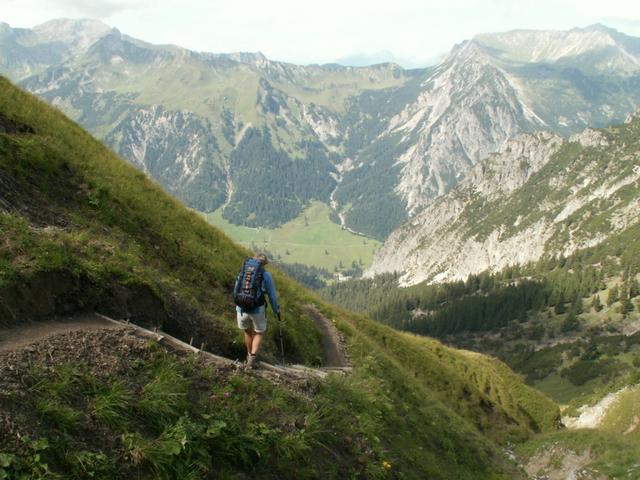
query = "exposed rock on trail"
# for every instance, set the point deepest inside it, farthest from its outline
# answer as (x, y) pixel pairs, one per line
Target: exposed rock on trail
(558, 463)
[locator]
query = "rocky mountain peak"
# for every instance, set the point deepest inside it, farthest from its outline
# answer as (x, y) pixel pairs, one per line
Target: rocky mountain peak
(81, 33)
(598, 27)
(607, 47)
(408, 136)
(5, 27)
(254, 58)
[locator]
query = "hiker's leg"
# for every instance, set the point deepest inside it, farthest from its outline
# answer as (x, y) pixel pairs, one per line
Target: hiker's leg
(248, 339)
(255, 346)
(259, 327)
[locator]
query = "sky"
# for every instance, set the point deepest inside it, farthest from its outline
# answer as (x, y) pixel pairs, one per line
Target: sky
(411, 32)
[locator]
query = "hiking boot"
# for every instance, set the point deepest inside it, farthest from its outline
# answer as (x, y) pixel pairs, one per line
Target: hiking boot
(251, 360)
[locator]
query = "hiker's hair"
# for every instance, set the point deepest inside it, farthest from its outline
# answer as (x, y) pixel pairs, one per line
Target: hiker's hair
(262, 257)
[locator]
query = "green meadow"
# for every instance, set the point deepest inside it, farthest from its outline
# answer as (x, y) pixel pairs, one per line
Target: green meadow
(311, 239)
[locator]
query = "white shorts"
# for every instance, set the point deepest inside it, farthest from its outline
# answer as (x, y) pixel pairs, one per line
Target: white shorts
(256, 320)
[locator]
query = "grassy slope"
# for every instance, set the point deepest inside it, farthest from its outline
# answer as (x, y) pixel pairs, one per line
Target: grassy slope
(189, 83)
(614, 445)
(305, 243)
(82, 215)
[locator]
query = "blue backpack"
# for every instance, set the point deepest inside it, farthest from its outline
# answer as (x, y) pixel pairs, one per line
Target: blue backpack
(248, 293)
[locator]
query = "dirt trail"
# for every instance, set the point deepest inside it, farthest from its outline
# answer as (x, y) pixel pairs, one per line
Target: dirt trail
(333, 344)
(336, 359)
(17, 338)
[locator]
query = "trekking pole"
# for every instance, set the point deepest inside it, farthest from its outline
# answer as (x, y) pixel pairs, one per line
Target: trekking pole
(281, 337)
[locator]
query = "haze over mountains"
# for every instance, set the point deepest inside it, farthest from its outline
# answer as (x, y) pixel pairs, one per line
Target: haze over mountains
(378, 143)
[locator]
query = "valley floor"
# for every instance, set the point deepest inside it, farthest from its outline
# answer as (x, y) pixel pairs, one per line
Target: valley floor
(311, 239)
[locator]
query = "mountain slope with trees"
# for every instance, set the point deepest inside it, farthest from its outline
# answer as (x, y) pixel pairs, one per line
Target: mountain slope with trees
(539, 197)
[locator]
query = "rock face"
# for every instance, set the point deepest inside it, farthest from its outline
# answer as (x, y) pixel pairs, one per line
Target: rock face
(469, 108)
(380, 142)
(540, 195)
(177, 149)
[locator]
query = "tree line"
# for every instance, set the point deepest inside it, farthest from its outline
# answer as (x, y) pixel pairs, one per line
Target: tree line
(487, 301)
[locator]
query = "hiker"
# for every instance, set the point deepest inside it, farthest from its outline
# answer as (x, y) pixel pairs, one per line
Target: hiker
(252, 283)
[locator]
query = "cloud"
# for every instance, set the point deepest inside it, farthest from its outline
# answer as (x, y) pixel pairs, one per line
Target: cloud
(418, 32)
(631, 27)
(100, 8)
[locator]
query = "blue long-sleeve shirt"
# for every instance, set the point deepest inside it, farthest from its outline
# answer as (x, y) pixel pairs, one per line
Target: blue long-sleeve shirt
(269, 287)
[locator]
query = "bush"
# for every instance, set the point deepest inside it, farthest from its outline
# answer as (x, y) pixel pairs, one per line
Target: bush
(585, 370)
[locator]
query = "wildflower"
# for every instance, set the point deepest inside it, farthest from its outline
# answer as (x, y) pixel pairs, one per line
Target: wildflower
(386, 465)
(227, 394)
(213, 396)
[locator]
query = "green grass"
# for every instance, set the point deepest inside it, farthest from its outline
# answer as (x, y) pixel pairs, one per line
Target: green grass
(110, 405)
(230, 423)
(623, 417)
(562, 390)
(307, 241)
(331, 89)
(612, 455)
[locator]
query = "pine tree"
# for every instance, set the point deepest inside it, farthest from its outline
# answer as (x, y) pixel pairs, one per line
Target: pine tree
(570, 323)
(613, 296)
(576, 305)
(596, 304)
(625, 302)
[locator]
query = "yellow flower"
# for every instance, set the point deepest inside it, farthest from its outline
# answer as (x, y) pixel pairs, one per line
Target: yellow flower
(386, 465)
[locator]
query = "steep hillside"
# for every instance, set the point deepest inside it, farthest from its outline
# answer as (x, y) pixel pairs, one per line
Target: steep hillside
(539, 197)
(82, 231)
(569, 325)
(375, 143)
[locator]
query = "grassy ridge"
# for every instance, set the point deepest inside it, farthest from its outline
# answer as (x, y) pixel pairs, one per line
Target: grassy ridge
(82, 229)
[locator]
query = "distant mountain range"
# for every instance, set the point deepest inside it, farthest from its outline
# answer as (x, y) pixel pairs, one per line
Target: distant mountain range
(261, 138)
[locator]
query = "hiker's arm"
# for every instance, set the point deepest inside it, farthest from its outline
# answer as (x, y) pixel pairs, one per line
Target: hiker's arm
(271, 291)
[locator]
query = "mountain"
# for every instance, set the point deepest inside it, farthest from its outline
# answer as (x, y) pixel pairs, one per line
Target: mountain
(377, 143)
(29, 51)
(84, 231)
(366, 59)
(540, 196)
(597, 48)
(492, 88)
(245, 107)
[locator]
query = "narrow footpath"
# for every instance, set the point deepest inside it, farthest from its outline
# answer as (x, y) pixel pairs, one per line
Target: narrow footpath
(30, 335)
